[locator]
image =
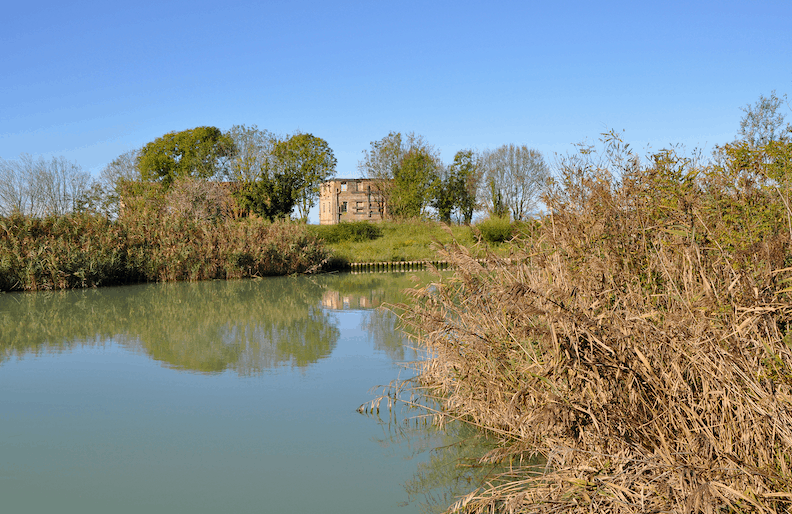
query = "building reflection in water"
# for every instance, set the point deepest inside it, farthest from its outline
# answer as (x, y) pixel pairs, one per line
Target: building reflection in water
(337, 301)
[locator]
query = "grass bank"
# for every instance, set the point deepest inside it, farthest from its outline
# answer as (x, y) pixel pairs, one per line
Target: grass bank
(412, 240)
(644, 349)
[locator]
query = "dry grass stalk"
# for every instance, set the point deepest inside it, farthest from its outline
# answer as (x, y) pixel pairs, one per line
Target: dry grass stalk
(651, 367)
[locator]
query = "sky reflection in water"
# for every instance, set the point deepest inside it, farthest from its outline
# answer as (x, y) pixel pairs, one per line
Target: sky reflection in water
(205, 397)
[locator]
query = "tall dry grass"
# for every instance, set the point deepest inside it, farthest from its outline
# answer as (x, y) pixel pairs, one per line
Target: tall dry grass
(643, 346)
(190, 233)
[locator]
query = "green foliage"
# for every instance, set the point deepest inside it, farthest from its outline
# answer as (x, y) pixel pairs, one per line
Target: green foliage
(496, 229)
(465, 177)
(307, 161)
(498, 207)
(456, 189)
(271, 197)
(197, 152)
(414, 184)
(356, 232)
(405, 169)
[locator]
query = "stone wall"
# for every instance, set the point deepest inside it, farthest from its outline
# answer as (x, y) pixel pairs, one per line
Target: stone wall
(353, 199)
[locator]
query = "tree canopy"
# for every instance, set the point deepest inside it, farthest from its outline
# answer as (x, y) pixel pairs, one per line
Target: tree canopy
(515, 176)
(200, 153)
(307, 161)
(457, 188)
(405, 169)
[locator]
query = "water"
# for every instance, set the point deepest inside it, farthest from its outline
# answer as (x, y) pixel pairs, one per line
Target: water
(235, 396)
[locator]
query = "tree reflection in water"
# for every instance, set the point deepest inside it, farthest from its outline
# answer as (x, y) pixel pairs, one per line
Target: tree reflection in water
(247, 326)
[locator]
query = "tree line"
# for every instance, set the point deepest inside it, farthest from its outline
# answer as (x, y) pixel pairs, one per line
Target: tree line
(267, 174)
(272, 176)
(411, 176)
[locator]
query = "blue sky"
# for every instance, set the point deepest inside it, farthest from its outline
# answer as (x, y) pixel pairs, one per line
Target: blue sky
(92, 80)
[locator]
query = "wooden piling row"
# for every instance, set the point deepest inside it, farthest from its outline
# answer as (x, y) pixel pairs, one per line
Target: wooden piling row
(403, 266)
(395, 266)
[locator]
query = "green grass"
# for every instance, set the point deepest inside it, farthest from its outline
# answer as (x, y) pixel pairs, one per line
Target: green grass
(406, 241)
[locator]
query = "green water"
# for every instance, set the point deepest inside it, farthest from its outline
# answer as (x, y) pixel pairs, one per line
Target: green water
(218, 396)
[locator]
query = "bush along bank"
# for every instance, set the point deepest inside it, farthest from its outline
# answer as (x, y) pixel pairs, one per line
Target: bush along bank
(85, 250)
(644, 349)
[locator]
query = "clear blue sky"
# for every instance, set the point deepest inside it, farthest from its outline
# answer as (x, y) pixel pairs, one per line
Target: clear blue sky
(92, 80)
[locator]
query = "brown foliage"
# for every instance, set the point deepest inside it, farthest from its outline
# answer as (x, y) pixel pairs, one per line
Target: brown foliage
(642, 347)
(189, 233)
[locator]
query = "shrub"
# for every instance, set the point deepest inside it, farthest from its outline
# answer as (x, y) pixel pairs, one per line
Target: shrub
(355, 232)
(496, 229)
(149, 245)
(641, 347)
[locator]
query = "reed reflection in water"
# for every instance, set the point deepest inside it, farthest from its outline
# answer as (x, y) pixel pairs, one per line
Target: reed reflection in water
(248, 326)
(204, 397)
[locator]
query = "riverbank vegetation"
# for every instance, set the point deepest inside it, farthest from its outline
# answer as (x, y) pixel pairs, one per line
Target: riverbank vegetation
(643, 348)
(407, 240)
(202, 203)
(185, 233)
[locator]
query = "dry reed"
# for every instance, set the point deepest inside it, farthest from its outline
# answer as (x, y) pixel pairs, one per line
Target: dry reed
(642, 347)
(190, 233)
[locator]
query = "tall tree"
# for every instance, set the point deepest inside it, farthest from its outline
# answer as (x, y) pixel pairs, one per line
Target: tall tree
(41, 187)
(383, 162)
(415, 183)
(515, 176)
(254, 153)
(456, 190)
(263, 186)
(308, 161)
(269, 196)
(465, 176)
(200, 153)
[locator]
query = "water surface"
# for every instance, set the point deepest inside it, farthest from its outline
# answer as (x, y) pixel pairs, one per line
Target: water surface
(236, 396)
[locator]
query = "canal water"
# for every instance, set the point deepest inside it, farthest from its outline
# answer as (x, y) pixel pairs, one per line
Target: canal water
(236, 396)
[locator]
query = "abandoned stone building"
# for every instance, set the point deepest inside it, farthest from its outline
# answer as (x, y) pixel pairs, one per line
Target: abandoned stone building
(350, 199)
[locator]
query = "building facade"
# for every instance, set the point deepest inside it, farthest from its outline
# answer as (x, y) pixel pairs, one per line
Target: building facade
(350, 199)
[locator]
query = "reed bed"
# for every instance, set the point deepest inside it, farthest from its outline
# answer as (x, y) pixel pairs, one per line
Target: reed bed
(642, 347)
(150, 242)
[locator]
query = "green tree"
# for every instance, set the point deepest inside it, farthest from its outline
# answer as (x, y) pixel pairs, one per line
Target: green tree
(405, 192)
(465, 178)
(270, 196)
(415, 182)
(200, 153)
(307, 161)
(263, 187)
(497, 207)
(445, 199)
